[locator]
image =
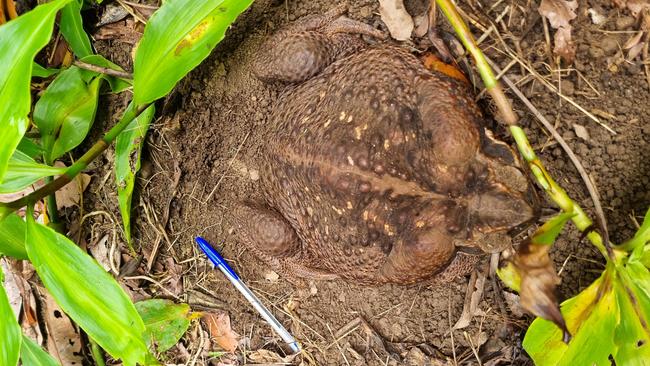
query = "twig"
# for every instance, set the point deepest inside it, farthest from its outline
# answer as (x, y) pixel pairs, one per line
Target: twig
(103, 70)
(593, 193)
(552, 189)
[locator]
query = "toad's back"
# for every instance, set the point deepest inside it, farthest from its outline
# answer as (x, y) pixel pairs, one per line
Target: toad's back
(374, 168)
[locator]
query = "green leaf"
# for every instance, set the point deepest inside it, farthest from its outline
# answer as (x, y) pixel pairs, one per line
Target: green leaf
(33, 355)
(9, 330)
(631, 336)
(548, 232)
(543, 340)
(642, 236)
(12, 237)
(178, 36)
(165, 322)
(72, 28)
(117, 85)
(89, 295)
(128, 147)
(24, 171)
(20, 40)
(41, 72)
(29, 147)
(65, 112)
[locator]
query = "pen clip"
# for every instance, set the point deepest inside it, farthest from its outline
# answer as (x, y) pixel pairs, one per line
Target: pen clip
(214, 256)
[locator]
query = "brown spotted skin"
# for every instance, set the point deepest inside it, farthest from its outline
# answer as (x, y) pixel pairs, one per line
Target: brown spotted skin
(376, 171)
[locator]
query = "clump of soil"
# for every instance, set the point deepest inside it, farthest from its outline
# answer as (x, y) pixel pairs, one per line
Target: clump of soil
(202, 160)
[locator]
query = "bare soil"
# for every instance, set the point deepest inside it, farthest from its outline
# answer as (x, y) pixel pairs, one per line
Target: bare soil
(202, 159)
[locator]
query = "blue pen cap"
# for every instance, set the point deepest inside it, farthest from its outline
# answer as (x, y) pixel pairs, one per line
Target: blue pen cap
(214, 256)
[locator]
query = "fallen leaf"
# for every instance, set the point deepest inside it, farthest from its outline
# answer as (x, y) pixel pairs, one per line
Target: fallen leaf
(112, 13)
(70, 194)
(271, 276)
(559, 13)
(596, 17)
(512, 300)
(397, 19)
(100, 252)
(218, 324)
(581, 131)
(11, 287)
(265, 356)
(473, 296)
(637, 6)
(63, 341)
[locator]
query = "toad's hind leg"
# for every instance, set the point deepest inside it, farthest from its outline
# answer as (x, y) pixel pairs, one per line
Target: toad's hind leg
(304, 48)
(271, 238)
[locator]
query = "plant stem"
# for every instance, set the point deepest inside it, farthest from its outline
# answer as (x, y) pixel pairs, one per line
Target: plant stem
(555, 192)
(131, 112)
(97, 353)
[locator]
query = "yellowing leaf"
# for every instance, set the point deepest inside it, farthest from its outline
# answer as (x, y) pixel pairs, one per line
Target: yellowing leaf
(165, 322)
(176, 39)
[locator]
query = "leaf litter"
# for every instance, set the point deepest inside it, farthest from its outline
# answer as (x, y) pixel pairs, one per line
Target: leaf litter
(559, 13)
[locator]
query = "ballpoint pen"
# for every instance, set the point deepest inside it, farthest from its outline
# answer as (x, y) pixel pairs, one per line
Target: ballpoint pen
(219, 262)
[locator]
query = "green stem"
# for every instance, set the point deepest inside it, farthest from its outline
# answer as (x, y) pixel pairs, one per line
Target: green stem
(131, 112)
(555, 192)
(97, 353)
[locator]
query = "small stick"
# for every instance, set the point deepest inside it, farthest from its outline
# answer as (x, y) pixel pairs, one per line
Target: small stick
(104, 70)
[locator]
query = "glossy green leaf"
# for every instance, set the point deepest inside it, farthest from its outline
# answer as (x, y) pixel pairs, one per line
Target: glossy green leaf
(12, 237)
(117, 85)
(20, 40)
(65, 112)
(548, 232)
(72, 28)
(33, 355)
(165, 322)
(128, 146)
(10, 336)
(29, 147)
(642, 235)
(24, 171)
(178, 36)
(41, 72)
(89, 295)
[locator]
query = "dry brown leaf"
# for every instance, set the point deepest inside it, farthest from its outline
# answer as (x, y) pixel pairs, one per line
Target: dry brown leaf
(397, 19)
(70, 194)
(264, 356)
(559, 13)
(218, 324)
(581, 131)
(63, 341)
(637, 6)
(596, 17)
(538, 283)
(564, 45)
(473, 296)
(11, 287)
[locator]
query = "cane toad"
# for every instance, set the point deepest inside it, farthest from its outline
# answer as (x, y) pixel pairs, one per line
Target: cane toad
(377, 170)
